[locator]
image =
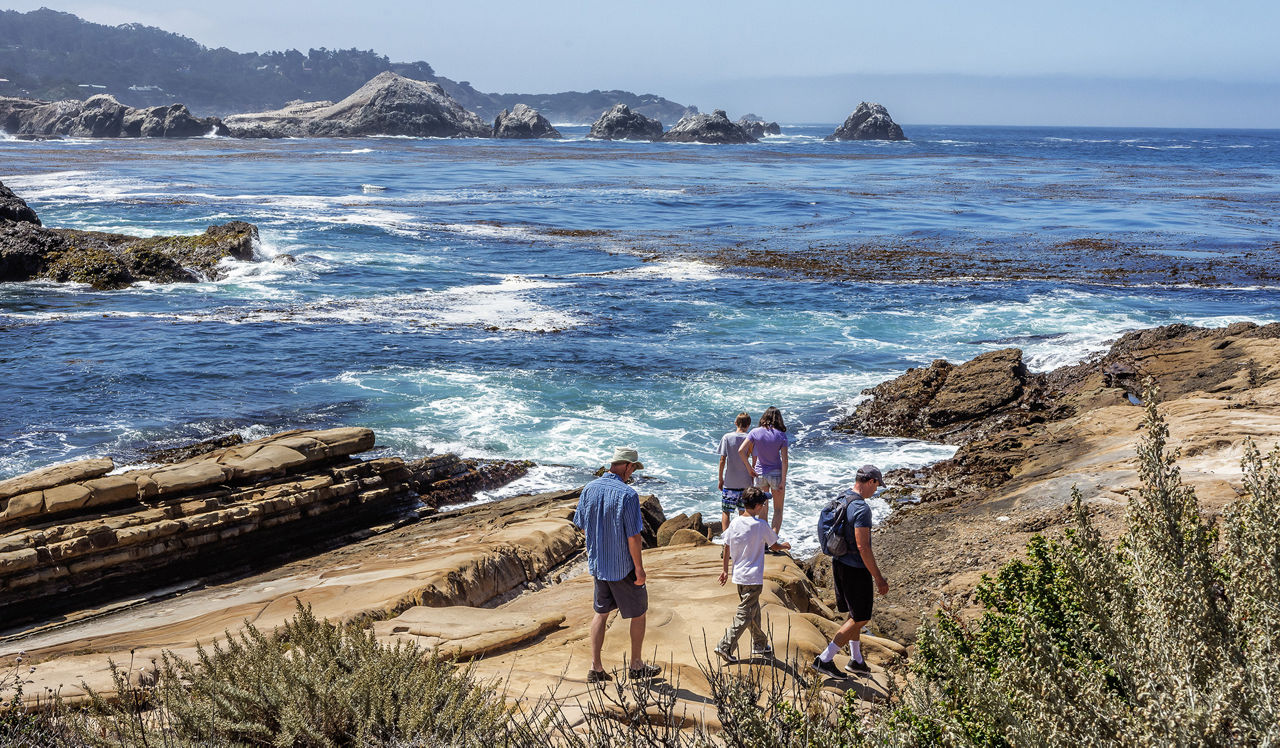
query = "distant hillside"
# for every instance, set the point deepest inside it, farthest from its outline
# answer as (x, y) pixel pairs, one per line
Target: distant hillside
(46, 54)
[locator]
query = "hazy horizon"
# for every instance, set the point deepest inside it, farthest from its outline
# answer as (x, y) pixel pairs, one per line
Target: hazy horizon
(1170, 64)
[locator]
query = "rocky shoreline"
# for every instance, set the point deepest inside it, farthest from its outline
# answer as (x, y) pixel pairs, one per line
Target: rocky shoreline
(1026, 440)
(504, 581)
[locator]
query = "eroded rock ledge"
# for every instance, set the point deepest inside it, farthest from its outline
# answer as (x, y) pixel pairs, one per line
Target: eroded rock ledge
(29, 250)
(76, 535)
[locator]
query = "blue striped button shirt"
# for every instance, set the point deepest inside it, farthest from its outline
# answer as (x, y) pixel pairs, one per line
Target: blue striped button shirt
(609, 513)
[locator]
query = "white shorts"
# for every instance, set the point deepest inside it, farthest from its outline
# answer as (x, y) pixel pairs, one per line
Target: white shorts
(769, 481)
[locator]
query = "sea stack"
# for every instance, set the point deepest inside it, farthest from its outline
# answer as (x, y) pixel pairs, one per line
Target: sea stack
(620, 123)
(756, 127)
(868, 122)
(102, 116)
(388, 104)
(714, 128)
(523, 123)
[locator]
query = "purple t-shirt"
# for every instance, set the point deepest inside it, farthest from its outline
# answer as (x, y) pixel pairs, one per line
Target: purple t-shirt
(768, 448)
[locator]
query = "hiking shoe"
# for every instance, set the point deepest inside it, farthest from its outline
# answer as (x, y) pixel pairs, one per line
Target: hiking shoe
(857, 668)
(765, 651)
(828, 669)
(725, 655)
(598, 676)
(643, 672)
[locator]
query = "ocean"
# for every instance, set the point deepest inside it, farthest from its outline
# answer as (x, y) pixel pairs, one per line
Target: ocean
(552, 300)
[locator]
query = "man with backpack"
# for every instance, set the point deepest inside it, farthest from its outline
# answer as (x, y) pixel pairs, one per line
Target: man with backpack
(844, 532)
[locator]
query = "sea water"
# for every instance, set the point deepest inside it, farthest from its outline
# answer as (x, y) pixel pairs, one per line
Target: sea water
(551, 300)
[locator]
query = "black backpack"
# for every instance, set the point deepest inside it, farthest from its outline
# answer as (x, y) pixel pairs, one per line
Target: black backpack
(832, 522)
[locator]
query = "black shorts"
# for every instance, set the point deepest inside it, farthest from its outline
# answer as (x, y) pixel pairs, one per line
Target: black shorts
(855, 591)
(629, 599)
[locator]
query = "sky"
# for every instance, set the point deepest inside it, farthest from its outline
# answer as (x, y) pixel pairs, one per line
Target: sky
(1088, 62)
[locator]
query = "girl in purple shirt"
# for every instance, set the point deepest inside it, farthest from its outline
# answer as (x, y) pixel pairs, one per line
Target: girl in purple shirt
(768, 443)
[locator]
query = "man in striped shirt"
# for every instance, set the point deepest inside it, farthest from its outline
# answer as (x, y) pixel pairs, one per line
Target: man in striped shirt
(609, 514)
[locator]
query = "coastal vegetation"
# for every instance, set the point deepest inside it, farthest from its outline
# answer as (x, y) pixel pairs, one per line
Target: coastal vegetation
(1169, 634)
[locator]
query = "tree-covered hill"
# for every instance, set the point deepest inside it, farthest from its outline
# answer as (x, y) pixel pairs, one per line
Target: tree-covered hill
(47, 54)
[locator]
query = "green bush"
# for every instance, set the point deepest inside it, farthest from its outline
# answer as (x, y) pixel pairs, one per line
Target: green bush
(1171, 637)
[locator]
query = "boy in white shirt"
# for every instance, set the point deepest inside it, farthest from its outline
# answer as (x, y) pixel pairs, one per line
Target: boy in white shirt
(745, 541)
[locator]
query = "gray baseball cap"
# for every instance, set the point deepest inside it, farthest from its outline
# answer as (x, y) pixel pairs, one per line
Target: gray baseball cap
(869, 472)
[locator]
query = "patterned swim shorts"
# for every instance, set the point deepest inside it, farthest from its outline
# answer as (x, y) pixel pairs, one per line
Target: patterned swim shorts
(731, 500)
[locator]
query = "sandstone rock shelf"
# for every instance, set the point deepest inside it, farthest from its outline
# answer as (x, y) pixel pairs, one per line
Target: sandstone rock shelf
(76, 536)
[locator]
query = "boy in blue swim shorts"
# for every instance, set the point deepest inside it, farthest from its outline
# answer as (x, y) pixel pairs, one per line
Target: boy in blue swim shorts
(735, 475)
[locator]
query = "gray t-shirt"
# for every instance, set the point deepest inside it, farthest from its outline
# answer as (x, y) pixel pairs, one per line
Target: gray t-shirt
(735, 473)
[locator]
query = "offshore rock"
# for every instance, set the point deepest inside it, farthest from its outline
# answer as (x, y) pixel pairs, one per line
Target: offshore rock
(109, 261)
(102, 116)
(714, 128)
(388, 104)
(620, 123)
(14, 208)
(523, 123)
(868, 122)
(756, 127)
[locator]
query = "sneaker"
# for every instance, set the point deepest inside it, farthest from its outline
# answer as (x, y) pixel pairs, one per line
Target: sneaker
(725, 655)
(598, 676)
(765, 651)
(828, 669)
(643, 672)
(857, 668)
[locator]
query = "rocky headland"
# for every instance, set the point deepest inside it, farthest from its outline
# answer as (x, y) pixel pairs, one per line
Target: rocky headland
(30, 250)
(1027, 439)
(621, 123)
(715, 128)
(102, 116)
(388, 104)
(523, 123)
(868, 122)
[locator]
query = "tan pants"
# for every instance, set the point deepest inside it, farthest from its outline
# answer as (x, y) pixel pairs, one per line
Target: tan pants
(747, 618)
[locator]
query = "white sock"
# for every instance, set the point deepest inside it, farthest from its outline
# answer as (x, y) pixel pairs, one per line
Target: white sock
(855, 651)
(829, 653)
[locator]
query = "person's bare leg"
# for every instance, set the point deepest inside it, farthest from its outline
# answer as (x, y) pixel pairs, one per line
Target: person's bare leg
(598, 625)
(778, 495)
(724, 522)
(851, 631)
(637, 641)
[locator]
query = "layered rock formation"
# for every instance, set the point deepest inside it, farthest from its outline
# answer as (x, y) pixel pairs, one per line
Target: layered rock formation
(1027, 439)
(620, 123)
(523, 123)
(755, 126)
(868, 122)
(102, 116)
(714, 128)
(388, 104)
(29, 250)
(76, 535)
